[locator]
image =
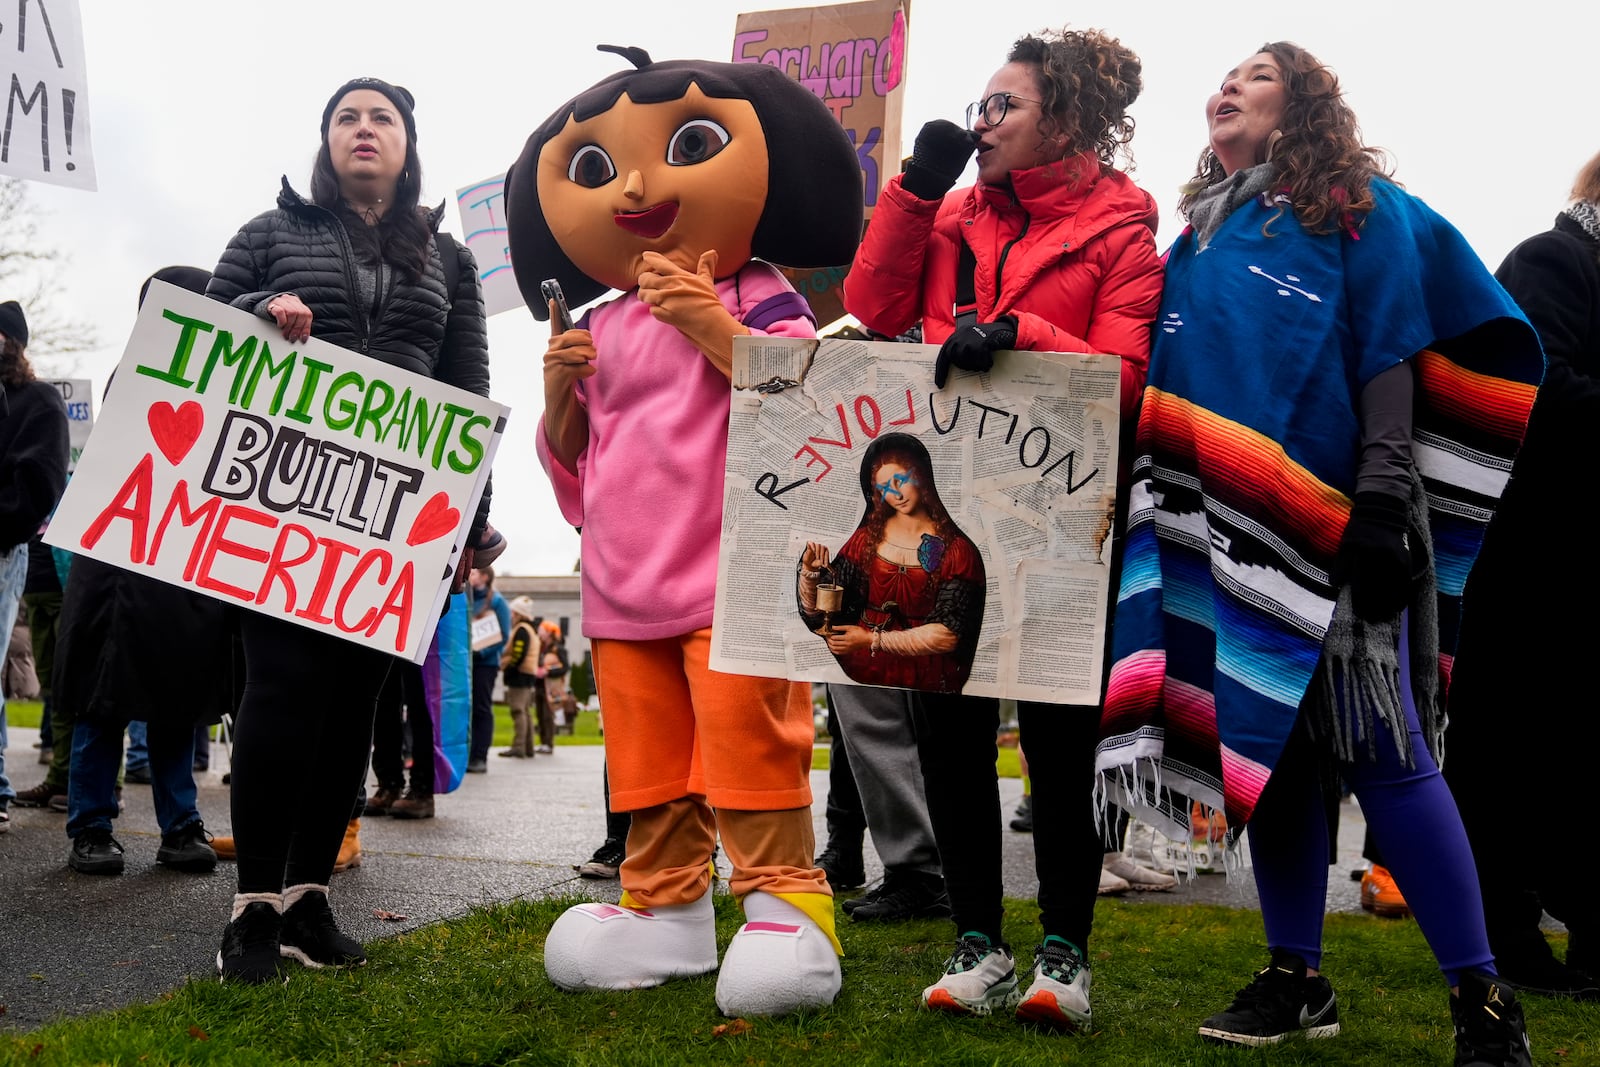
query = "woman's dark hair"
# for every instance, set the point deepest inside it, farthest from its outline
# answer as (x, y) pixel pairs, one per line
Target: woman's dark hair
(401, 236)
(911, 454)
(1087, 81)
(812, 170)
(14, 366)
(1320, 162)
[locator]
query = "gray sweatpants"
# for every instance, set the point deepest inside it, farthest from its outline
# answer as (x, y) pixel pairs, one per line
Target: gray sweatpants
(876, 724)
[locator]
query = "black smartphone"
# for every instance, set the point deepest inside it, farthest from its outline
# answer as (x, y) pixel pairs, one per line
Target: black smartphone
(552, 291)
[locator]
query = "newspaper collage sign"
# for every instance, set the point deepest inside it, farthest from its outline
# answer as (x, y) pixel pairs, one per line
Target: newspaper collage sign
(306, 482)
(1025, 460)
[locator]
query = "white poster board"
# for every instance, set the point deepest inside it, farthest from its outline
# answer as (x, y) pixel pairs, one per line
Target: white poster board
(308, 483)
(46, 133)
(1025, 461)
(78, 395)
(483, 219)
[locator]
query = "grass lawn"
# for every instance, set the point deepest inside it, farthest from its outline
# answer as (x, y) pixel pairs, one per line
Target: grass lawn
(473, 991)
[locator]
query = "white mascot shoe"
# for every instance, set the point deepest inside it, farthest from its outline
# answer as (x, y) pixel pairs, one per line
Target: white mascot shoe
(603, 946)
(779, 962)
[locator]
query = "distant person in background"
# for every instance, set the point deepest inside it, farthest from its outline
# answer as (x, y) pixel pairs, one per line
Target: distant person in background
(134, 648)
(33, 474)
(1521, 694)
(403, 722)
(519, 660)
(358, 265)
(41, 603)
(551, 689)
(486, 601)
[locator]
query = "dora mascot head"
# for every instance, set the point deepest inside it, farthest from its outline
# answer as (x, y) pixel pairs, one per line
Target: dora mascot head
(680, 158)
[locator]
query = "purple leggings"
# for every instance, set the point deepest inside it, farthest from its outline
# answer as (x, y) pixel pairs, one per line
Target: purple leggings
(1413, 818)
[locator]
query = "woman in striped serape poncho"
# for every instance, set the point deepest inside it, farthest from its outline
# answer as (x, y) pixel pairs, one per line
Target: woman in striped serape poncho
(1336, 393)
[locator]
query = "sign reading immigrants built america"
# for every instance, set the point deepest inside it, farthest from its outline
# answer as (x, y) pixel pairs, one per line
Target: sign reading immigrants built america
(308, 482)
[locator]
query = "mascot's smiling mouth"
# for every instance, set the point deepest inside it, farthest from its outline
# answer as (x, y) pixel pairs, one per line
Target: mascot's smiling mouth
(652, 222)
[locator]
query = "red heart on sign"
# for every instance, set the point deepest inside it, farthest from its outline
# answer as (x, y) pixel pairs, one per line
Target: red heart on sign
(175, 431)
(436, 519)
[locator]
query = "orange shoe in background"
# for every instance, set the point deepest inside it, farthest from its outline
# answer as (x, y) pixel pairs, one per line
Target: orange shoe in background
(350, 850)
(1381, 896)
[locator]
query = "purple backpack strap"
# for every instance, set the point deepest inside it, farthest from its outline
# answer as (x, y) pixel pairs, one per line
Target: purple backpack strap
(778, 307)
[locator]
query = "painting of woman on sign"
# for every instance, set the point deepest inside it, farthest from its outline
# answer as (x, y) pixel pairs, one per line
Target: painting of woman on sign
(901, 603)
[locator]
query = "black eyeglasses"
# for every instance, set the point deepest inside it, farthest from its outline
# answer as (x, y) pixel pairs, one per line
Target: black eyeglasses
(993, 108)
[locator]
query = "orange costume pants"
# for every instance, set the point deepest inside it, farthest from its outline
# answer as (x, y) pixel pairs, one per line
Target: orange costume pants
(694, 753)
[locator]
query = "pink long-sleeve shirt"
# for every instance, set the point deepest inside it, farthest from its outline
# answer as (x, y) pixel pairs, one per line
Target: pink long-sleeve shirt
(648, 490)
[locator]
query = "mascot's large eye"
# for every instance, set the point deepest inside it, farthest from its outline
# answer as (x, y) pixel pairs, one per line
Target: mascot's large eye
(591, 167)
(695, 142)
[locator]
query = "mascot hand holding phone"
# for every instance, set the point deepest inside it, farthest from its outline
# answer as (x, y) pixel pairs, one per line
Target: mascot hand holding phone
(667, 182)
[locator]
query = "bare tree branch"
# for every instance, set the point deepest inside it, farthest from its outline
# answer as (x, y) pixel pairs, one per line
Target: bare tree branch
(30, 272)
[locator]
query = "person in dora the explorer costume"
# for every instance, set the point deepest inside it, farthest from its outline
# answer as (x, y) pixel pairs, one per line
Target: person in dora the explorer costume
(665, 182)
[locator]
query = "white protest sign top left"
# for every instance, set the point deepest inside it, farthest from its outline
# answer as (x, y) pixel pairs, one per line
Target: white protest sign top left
(46, 133)
(305, 482)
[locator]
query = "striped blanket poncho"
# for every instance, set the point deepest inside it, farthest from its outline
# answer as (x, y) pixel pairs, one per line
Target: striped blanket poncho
(1245, 463)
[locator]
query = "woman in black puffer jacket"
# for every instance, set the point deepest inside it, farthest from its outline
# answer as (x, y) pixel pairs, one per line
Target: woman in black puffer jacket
(358, 266)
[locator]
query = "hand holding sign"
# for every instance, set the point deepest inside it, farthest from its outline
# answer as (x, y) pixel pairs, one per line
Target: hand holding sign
(291, 315)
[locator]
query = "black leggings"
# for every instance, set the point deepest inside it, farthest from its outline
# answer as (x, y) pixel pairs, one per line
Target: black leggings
(300, 747)
(956, 745)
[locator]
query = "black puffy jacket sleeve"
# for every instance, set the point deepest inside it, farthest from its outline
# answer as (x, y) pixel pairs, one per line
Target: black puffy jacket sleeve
(464, 359)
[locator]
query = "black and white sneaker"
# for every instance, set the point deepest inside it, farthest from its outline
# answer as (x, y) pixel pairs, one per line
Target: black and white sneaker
(311, 936)
(606, 861)
(1282, 1000)
(249, 951)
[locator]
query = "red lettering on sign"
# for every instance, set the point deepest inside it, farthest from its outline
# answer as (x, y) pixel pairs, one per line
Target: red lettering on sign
(399, 604)
(334, 551)
(136, 489)
(219, 543)
(280, 563)
(179, 502)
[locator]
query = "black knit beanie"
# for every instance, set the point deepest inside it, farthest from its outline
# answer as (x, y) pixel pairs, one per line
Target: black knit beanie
(13, 323)
(398, 95)
(193, 279)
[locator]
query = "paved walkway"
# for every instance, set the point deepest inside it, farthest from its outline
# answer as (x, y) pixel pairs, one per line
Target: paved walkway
(72, 944)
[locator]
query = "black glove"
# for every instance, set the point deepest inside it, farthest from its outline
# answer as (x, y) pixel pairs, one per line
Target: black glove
(938, 158)
(973, 347)
(1375, 558)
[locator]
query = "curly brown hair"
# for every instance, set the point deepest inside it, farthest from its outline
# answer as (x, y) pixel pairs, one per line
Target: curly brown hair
(1321, 163)
(1587, 185)
(14, 366)
(1087, 80)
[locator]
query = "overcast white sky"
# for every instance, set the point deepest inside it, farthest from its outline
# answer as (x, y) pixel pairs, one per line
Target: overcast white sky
(198, 106)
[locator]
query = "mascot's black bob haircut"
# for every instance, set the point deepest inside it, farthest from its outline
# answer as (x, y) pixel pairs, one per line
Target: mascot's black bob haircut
(812, 170)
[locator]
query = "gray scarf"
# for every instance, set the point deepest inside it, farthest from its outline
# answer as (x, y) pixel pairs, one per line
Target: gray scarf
(1357, 682)
(1213, 205)
(1586, 214)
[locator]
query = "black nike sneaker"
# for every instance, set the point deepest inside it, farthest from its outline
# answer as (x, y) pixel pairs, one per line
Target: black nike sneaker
(1282, 1000)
